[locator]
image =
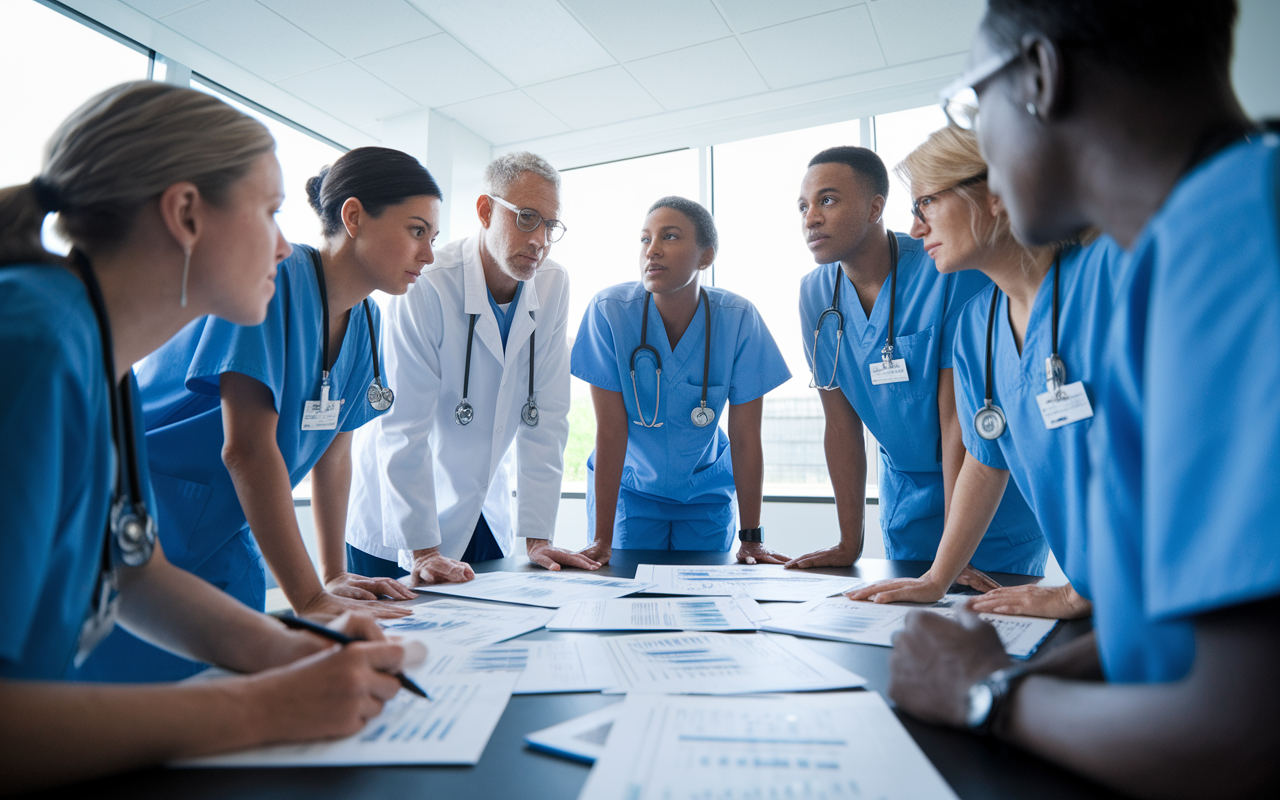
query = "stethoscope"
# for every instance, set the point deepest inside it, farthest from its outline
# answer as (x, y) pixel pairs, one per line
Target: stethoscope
(379, 396)
(990, 421)
(131, 531)
(700, 415)
(886, 353)
(463, 413)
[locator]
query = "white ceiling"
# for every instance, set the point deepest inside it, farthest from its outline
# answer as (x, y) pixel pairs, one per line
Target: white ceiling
(553, 71)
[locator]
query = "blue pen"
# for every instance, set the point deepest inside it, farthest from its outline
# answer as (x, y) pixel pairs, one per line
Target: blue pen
(341, 638)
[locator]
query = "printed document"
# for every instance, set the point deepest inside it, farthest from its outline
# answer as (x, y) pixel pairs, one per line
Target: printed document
(465, 624)
(546, 589)
(661, 614)
(757, 581)
(580, 739)
(576, 665)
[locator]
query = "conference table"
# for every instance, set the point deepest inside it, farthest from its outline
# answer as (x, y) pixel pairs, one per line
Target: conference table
(976, 768)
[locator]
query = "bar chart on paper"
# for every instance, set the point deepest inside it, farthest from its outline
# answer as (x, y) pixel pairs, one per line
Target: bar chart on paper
(546, 589)
(579, 665)
(757, 581)
(458, 622)
(661, 614)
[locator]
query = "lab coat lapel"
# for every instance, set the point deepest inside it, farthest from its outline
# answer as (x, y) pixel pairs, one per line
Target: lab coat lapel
(476, 301)
(524, 322)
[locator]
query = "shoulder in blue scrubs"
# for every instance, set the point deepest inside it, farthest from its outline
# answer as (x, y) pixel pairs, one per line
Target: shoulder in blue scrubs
(202, 526)
(1049, 467)
(904, 416)
(1186, 445)
(677, 481)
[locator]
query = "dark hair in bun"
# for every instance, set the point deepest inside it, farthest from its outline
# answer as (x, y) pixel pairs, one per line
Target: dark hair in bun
(376, 176)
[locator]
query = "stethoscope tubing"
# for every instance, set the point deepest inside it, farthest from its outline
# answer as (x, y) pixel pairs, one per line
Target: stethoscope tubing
(700, 415)
(886, 353)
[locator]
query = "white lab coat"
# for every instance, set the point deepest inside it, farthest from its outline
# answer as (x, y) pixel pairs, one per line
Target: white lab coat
(421, 480)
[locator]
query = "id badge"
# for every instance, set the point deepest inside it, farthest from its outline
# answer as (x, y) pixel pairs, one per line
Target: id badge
(896, 372)
(322, 414)
(1072, 406)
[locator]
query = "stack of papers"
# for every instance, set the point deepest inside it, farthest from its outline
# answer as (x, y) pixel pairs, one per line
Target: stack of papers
(721, 663)
(864, 622)
(457, 622)
(661, 614)
(579, 665)
(827, 746)
(757, 581)
(546, 589)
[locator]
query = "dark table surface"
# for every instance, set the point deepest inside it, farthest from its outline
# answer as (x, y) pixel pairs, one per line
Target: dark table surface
(976, 768)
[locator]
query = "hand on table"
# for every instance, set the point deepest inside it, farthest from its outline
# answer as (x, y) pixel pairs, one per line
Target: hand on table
(936, 659)
(429, 567)
(1051, 602)
(327, 605)
(543, 554)
(835, 556)
(599, 552)
(757, 553)
(358, 587)
(900, 590)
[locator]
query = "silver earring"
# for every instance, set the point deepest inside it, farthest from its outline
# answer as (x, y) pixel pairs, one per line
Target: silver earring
(186, 267)
(1032, 110)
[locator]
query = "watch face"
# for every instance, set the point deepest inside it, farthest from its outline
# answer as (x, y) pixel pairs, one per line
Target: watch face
(980, 701)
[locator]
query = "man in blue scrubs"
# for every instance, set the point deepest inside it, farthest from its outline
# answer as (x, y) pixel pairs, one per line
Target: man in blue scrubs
(1122, 115)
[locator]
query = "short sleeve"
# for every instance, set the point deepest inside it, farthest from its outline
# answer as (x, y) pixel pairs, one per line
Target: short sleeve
(594, 358)
(758, 365)
(961, 287)
(258, 351)
(969, 377)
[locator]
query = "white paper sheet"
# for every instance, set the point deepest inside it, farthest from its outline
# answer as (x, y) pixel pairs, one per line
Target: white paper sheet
(757, 581)
(546, 589)
(580, 739)
(721, 663)
(845, 745)
(660, 614)
(863, 622)
(452, 728)
(577, 665)
(458, 622)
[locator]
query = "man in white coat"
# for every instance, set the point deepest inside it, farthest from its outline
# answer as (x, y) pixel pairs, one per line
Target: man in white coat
(476, 354)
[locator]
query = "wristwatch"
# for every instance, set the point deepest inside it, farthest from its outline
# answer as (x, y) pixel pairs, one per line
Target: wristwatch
(751, 534)
(989, 696)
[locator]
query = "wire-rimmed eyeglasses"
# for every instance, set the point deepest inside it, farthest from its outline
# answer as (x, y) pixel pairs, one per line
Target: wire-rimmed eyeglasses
(528, 220)
(917, 208)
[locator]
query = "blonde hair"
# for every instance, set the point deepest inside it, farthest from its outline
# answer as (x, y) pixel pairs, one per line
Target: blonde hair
(120, 150)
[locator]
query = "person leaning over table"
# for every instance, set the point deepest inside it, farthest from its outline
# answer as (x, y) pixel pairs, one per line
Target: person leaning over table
(1047, 304)
(1122, 116)
(877, 321)
(663, 474)
(168, 197)
(478, 344)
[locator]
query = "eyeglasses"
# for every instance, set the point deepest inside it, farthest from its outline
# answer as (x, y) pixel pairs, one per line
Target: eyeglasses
(960, 99)
(918, 211)
(528, 220)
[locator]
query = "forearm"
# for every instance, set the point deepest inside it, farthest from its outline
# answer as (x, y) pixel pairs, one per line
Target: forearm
(847, 466)
(747, 453)
(330, 494)
(952, 443)
(608, 482)
(979, 489)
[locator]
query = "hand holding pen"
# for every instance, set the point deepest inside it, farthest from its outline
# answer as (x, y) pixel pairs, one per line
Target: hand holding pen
(297, 623)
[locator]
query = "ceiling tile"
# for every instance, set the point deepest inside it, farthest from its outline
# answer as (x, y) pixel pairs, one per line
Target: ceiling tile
(595, 98)
(533, 41)
(348, 93)
(749, 15)
(705, 73)
(912, 30)
(377, 25)
(636, 30)
(158, 8)
(507, 117)
(845, 39)
(249, 35)
(436, 71)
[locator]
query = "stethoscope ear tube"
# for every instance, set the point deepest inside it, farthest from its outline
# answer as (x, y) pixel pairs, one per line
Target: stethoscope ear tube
(701, 416)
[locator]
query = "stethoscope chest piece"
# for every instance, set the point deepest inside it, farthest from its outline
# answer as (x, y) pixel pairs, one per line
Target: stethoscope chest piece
(702, 416)
(529, 414)
(380, 397)
(989, 422)
(463, 413)
(134, 532)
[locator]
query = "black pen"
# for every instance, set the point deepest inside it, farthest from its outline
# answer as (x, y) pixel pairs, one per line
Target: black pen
(341, 638)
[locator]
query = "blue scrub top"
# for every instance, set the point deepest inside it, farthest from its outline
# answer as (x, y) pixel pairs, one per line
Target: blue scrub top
(1049, 467)
(505, 317)
(1185, 448)
(677, 462)
(904, 416)
(57, 467)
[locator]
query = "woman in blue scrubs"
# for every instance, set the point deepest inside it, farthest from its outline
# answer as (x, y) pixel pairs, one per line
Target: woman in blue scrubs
(237, 416)
(1069, 287)
(168, 197)
(878, 321)
(664, 355)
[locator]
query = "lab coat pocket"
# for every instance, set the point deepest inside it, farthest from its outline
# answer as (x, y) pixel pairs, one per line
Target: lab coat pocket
(179, 506)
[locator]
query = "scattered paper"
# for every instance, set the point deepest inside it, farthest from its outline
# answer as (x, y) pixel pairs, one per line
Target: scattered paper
(661, 614)
(581, 738)
(864, 622)
(451, 728)
(844, 745)
(757, 581)
(458, 622)
(578, 665)
(546, 589)
(721, 663)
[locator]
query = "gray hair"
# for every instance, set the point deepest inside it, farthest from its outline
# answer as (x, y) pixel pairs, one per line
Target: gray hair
(506, 168)
(704, 225)
(120, 150)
